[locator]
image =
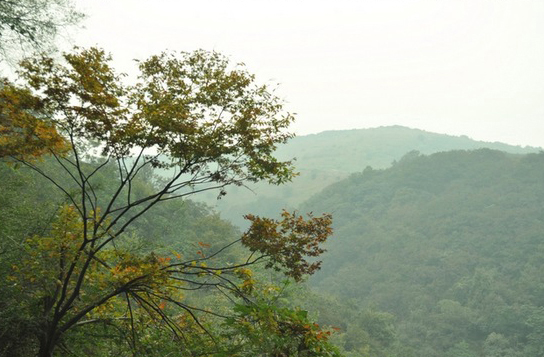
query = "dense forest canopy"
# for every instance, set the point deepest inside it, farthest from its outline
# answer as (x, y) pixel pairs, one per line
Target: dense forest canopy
(450, 244)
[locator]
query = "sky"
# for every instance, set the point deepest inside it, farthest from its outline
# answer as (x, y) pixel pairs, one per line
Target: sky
(460, 67)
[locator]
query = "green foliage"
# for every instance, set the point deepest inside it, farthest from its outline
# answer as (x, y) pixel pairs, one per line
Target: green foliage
(461, 349)
(93, 266)
(358, 330)
(450, 244)
(266, 329)
(187, 231)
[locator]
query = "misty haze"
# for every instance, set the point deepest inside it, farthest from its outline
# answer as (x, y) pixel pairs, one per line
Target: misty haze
(287, 178)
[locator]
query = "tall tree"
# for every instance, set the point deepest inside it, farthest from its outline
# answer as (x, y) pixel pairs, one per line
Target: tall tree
(192, 113)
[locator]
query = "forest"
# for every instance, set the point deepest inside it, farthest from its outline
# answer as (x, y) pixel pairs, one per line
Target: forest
(174, 213)
(449, 245)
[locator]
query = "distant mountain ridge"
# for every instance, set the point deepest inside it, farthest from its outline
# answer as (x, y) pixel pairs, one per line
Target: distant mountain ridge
(330, 156)
(378, 147)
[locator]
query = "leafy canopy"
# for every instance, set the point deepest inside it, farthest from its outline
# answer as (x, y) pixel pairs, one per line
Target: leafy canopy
(189, 112)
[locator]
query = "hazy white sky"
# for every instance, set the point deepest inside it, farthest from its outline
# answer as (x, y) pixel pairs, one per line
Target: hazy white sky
(462, 67)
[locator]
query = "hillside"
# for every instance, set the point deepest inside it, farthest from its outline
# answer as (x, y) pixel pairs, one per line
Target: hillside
(328, 157)
(451, 244)
(352, 150)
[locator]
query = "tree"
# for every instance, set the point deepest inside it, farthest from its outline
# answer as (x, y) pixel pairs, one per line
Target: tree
(26, 24)
(191, 113)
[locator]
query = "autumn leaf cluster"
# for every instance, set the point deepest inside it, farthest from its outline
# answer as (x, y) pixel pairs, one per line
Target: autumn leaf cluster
(287, 242)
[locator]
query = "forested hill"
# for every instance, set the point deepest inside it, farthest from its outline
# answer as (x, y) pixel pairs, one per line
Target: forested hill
(452, 244)
(328, 157)
(352, 150)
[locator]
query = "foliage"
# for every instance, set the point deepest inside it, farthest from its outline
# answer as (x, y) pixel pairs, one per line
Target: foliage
(21, 132)
(358, 330)
(287, 242)
(26, 213)
(190, 112)
(266, 329)
(450, 244)
(209, 121)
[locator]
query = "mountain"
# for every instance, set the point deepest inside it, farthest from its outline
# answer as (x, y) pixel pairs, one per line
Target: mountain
(451, 244)
(330, 156)
(352, 150)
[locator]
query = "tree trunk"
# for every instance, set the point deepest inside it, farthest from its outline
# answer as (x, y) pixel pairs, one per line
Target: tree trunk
(47, 345)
